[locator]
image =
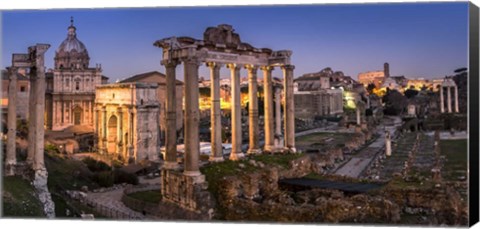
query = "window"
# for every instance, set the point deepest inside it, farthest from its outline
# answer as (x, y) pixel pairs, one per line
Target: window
(22, 89)
(77, 85)
(67, 82)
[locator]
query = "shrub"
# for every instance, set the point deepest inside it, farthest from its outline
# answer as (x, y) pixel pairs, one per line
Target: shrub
(51, 148)
(104, 179)
(124, 177)
(96, 166)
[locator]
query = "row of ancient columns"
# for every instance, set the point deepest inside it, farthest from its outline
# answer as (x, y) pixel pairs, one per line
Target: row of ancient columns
(191, 66)
(449, 99)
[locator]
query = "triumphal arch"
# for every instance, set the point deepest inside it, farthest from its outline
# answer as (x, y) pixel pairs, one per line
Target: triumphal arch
(220, 47)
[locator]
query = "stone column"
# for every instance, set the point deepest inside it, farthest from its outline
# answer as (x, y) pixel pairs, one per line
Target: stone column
(449, 100)
(62, 108)
(278, 140)
(119, 131)
(95, 129)
(192, 145)
(236, 113)
(289, 107)
(253, 109)
(358, 115)
(70, 112)
(456, 99)
(268, 107)
(130, 135)
(95, 122)
(11, 157)
(388, 144)
(104, 130)
(171, 115)
(278, 111)
(442, 103)
(31, 118)
(39, 51)
(216, 118)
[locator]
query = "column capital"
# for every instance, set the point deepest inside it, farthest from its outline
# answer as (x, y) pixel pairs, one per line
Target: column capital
(234, 67)
(214, 65)
(191, 61)
(288, 67)
(266, 68)
(12, 72)
(170, 63)
(251, 67)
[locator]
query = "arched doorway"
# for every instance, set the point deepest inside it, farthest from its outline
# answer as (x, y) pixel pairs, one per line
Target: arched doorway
(77, 116)
(112, 135)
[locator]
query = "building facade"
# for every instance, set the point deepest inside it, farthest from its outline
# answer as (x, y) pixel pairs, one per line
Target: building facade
(70, 94)
(318, 95)
(159, 78)
(23, 91)
(127, 117)
(375, 77)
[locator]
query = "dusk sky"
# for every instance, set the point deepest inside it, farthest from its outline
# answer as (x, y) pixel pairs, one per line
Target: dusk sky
(418, 40)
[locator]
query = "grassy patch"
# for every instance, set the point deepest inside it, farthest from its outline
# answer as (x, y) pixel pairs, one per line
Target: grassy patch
(67, 174)
(74, 207)
(320, 140)
(152, 196)
(400, 183)
(276, 159)
(455, 152)
(19, 199)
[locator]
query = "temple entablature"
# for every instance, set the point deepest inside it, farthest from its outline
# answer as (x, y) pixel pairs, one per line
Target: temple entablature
(221, 45)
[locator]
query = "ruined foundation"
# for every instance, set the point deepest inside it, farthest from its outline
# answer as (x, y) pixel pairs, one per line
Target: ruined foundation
(188, 192)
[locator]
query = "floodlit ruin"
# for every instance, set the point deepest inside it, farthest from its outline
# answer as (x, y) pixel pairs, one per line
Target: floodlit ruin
(220, 47)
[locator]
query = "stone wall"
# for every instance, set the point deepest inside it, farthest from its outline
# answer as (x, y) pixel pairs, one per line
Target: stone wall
(188, 192)
(441, 204)
(161, 210)
(257, 197)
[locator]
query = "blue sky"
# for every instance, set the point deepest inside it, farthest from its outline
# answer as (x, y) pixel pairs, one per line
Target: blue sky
(417, 39)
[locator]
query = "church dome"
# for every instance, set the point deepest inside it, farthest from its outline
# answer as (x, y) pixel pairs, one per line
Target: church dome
(71, 53)
(72, 44)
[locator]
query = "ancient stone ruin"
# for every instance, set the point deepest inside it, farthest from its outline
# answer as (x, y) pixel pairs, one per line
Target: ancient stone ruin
(221, 47)
(34, 61)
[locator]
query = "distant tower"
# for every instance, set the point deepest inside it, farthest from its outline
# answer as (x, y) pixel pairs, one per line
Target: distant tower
(386, 69)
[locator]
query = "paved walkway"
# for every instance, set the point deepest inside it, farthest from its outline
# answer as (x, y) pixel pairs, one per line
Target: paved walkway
(113, 200)
(331, 128)
(360, 161)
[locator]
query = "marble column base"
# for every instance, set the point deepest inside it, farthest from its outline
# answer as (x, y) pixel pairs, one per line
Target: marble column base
(236, 156)
(254, 151)
(268, 148)
(216, 159)
(10, 169)
(197, 177)
(291, 149)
